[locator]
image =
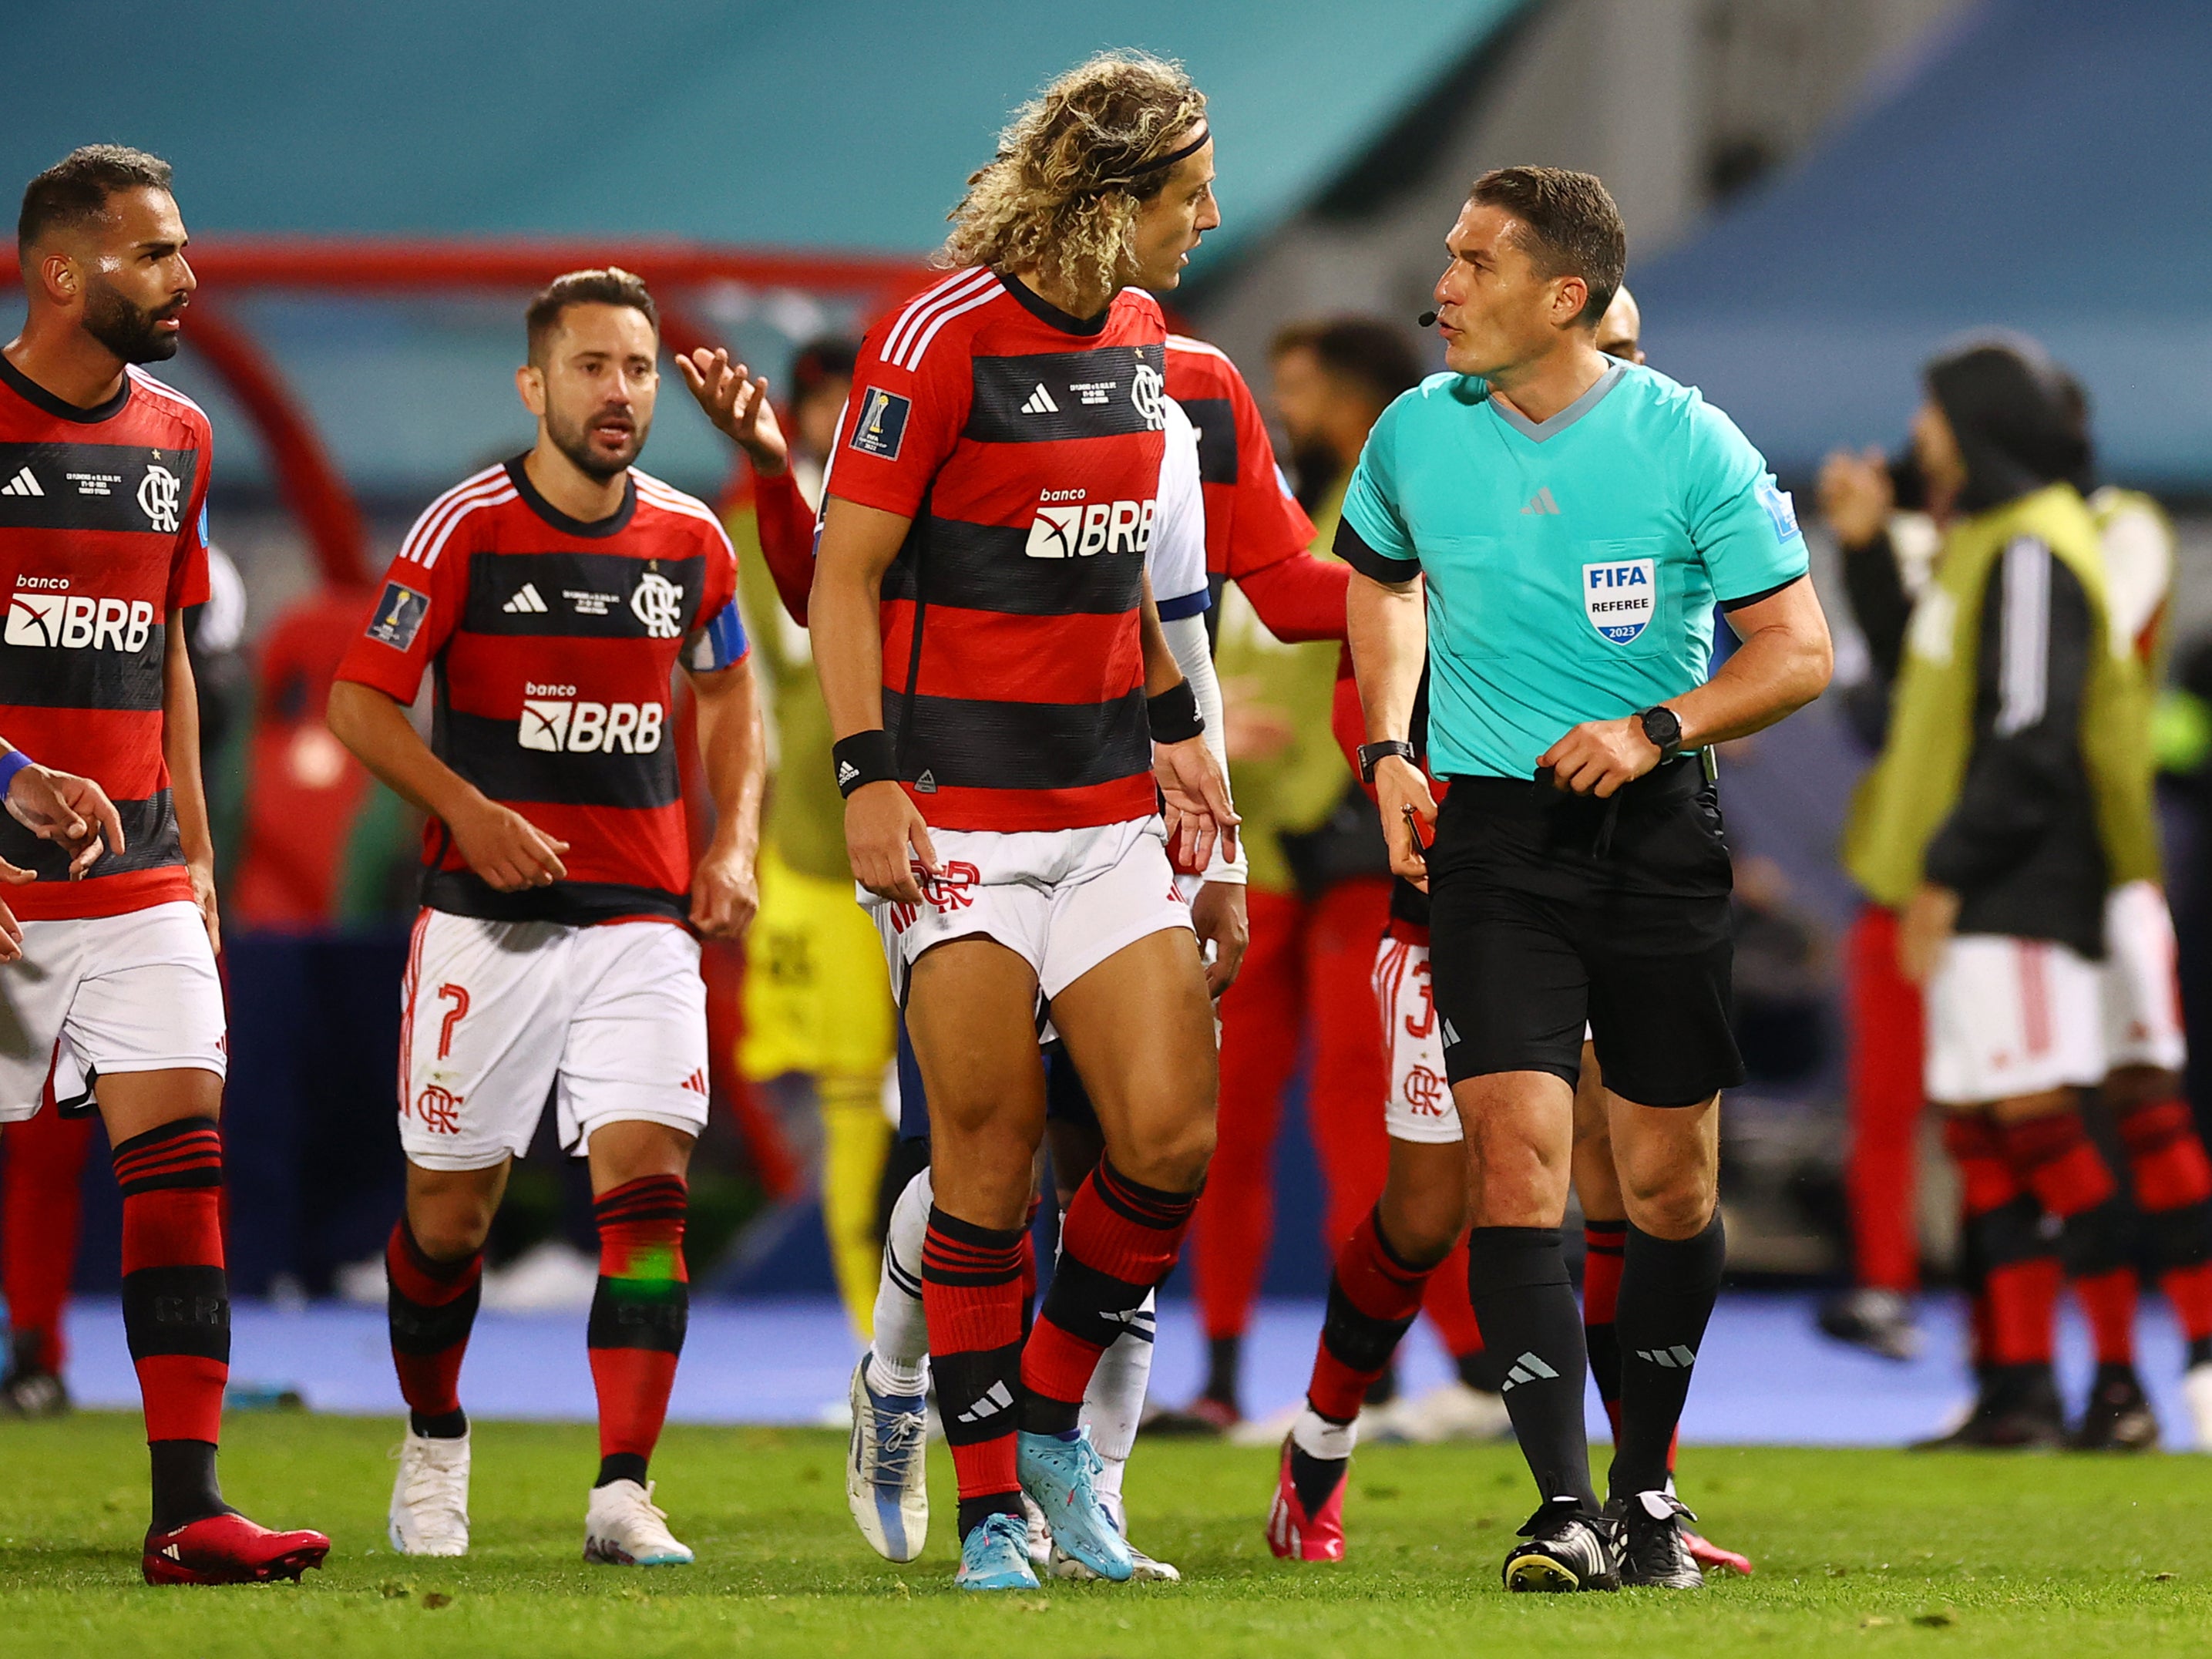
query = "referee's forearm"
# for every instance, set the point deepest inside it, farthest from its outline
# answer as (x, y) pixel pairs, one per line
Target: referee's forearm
(1775, 672)
(1783, 663)
(1388, 631)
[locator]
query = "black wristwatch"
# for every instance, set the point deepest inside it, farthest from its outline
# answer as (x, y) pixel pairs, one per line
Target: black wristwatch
(1372, 755)
(1663, 729)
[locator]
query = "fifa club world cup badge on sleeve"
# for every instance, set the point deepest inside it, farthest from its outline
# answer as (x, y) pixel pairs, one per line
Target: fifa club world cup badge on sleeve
(882, 425)
(1619, 597)
(398, 617)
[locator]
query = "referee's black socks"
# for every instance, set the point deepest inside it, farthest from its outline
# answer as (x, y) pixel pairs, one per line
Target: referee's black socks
(1667, 1288)
(1531, 1325)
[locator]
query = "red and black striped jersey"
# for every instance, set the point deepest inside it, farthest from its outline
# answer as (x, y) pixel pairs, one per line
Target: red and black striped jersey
(1252, 520)
(103, 539)
(554, 644)
(1025, 446)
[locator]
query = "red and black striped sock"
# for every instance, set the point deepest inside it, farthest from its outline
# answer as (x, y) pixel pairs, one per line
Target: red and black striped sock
(639, 1315)
(2054, 1159)
(2172, 1181)
(2019, 1267)
(429, 1309)
(41, 1205)
(176, 1307)
(1373, 1298)
(1117, 1242)
(1604, 1245)
(971, 1297)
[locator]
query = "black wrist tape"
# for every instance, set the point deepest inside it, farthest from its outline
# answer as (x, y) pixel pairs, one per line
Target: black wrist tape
(864, 758)
(1174, 714)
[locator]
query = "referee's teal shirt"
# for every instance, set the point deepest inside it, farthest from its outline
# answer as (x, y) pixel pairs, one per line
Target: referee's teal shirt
(1572, 565)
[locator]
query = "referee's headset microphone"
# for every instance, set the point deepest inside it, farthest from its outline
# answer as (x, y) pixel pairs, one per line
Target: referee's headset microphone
(1426, 319)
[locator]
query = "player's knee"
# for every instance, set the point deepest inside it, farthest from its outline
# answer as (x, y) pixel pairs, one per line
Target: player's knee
(1676, 1202)
(448, 1233)
(2129, 1086)
(1172, 1158)
(1422, 1227)
(451, 1218)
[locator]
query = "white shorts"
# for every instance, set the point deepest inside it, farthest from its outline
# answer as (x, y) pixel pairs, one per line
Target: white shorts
(104, 994)
(1062, 899)
(1421, 1104)
(2142, 995)
(495, 1016)
(2008, 1016)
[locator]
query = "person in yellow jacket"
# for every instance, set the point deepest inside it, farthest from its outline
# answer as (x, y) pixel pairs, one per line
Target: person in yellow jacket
(817, 1002)
(2011, 797)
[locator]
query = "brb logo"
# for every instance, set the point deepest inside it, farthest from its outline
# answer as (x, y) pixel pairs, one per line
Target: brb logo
(1620, 598)
(77, 622)
(1082, 529)
(555, 722)
(658, 603)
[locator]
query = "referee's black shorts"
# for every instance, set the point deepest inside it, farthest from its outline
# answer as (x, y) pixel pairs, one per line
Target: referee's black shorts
(1548, 909)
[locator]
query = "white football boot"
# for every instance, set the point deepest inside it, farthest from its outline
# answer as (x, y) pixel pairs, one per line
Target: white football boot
(429, 1513)
(1037, 1539)
(2197, 1390)
(1450, 1411)
(886, 1483)
(622, 1528)
(1144, 1569)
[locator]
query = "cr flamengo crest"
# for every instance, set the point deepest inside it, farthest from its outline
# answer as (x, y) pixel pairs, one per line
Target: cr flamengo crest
(658, 603)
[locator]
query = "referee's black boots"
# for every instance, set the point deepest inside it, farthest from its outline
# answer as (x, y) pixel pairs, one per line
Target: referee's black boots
(1566, 1548)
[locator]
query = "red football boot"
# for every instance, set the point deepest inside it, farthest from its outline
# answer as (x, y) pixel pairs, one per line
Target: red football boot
(1709, 1555)
(229, 1549)
(1295, 1535)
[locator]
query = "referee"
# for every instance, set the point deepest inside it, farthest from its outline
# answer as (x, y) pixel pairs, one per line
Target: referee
(1551, 529)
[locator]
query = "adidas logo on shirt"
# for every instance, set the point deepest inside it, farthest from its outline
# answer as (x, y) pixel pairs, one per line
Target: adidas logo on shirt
(1540, 502)
(24, 485)
(1040, 403)
(526, 603)
(989, 1405)
(1451, 1036)
(1527, 1369)
(1677, 1358)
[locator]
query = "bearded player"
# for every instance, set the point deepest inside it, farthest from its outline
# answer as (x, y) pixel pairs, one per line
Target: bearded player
(555, 596)
(114, 1000)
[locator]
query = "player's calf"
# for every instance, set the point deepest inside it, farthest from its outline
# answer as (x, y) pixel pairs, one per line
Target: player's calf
(1374, 1296)
(176, 1315)
(430, 1308)
(640, 1313)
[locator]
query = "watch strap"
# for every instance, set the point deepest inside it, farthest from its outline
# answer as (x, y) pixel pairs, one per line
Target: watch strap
(1372, 755)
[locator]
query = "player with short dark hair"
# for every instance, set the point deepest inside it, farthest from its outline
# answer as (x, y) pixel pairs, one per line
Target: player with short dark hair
(990, 652)
(114, 1004)
(553, 596)
(1560, 586)
(1396, 1259)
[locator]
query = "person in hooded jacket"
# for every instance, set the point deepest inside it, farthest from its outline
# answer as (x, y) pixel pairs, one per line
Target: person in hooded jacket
(2011, 796)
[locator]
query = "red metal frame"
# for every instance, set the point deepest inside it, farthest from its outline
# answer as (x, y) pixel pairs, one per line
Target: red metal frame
(312, 484)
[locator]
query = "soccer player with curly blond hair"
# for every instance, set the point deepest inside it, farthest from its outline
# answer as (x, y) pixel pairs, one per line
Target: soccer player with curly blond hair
(1010, 715)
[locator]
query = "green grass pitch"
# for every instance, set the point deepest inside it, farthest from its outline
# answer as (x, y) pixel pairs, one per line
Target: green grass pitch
(1872, 1552)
